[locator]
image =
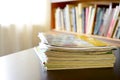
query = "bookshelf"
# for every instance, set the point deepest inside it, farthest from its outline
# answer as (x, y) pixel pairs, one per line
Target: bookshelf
(102, 3)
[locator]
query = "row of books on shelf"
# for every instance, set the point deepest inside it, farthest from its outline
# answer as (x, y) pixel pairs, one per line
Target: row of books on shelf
(58, 51)
(92, 19)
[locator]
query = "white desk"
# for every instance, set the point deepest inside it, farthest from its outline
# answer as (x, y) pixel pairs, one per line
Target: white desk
(23, 65)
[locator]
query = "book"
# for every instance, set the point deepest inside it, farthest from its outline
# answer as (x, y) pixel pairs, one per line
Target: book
(116, 33)
(113, 21)
(93, 18)
(83, 20)
(88, 30)
(74, 22)
(81, 12)
(58, 19)
(70, 40)
(68, 17)
(86, 19)
(80, 6)
(56, 60)
(71, 51)
(106, 20)
(72, 43)
(61, 61)
(99, 20)
(62, 20)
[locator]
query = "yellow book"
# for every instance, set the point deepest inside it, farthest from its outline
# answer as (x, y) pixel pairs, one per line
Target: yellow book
(93, 41)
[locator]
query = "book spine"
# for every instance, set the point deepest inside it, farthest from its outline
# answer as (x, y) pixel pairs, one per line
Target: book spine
(89, 19)
(74, 19)
(83, 20)
(77, 21)
(113, 22)
(58, 19)
(80, 18)
(106, 22)
(62, 20)
(117, 29)
(100, 22)
(86, 19)
(97, 20)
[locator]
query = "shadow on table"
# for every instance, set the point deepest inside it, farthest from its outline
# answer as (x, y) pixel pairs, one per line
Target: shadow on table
(83, 74)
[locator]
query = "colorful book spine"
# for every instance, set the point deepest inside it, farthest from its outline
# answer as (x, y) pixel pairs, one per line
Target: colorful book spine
(100, 22)
(113, 21)
(106, 21)
(91, 18)
(86, 19)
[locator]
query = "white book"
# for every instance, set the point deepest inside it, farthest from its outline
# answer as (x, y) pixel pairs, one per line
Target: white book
(68, 23)
(77, 21)
(58, 19)
(89, 19)
(80, 18)
(62, 20)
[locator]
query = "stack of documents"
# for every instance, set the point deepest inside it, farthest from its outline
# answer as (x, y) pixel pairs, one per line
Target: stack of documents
(65, 51)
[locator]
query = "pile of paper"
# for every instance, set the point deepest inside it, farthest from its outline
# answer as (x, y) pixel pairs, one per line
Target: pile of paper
(65, 51)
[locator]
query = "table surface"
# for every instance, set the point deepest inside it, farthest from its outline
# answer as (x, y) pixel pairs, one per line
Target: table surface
(25, 65)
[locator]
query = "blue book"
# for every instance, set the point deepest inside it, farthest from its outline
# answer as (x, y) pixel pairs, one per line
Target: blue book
(99, 21)
(83, 20)
(118, 33)
(74, 19)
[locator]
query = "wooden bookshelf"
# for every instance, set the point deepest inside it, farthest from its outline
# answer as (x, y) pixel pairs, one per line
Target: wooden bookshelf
(62, 3)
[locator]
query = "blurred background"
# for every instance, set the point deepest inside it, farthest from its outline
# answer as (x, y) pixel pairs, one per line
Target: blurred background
(20, 23)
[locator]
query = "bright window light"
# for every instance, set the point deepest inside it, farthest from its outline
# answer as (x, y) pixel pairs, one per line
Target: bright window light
(22, 12)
